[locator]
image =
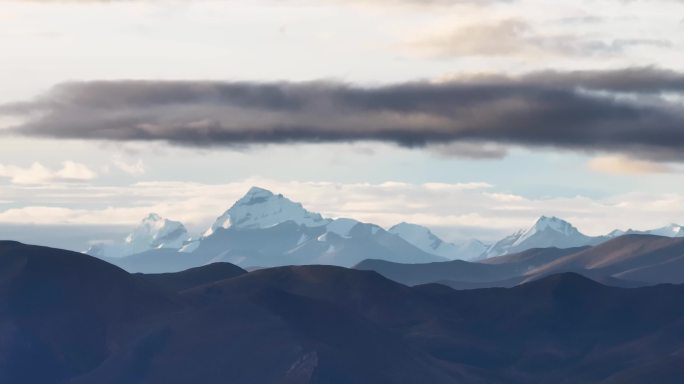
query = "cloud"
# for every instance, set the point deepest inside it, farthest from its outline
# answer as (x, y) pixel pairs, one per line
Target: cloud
(370, 2)
(475, 151)
(136, 168)
(37, 173)
(516, 37)
(621, 111)
(622, 165)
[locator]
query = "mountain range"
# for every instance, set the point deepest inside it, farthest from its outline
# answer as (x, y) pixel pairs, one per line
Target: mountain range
(427, 241)
(154, 232)
(72, 318)
(263, 229)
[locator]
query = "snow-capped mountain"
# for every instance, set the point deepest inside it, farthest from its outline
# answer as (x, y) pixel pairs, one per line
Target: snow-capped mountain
(546, 232)
(427, 241)
(153, 232)
(263, 229)
(474, 249)
(615, 233)
(671, 230)
(503, 246)
(260, 208)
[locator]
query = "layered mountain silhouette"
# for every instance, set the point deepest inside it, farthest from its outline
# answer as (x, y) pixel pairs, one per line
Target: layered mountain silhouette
(71, 318)
(625, 261)
(496, 272)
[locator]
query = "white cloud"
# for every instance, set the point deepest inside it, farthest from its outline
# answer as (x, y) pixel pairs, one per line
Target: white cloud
(135, 168)
(37, 173)
(72, 171)
(623, 165)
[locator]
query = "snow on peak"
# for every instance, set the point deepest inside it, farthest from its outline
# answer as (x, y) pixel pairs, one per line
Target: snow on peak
(157, 232)
(256, 194)
(546, 232)
(545, 223)
(417, 235)
(152, 217)
(422, 238)
(554, 223)
(502, 246)
(342, 226)
(261, 208)
(671, 230)
(153, 232)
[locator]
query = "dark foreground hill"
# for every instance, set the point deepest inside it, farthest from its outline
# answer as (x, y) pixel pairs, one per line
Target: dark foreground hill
(69, 318)
(59, 312)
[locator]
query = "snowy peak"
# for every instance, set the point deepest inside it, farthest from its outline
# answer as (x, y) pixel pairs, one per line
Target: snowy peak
(156, 232)
(556, 232)
(503, 246)
(546, 232)
(417, 235)
(615, 233)
(556, 224)
(342, 227)
(549, 224)
(672, 230)
(256, 195)
(422, 238)
(153, 232)
(261, 208)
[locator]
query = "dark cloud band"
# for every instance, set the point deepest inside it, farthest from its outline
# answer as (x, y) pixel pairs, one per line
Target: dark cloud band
(622, 110)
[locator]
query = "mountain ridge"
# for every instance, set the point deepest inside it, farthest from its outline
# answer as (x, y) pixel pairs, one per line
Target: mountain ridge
(427, 241)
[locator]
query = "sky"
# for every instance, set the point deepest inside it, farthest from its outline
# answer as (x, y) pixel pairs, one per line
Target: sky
(471, 117)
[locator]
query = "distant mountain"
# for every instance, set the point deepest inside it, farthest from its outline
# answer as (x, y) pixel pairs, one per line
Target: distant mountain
(260, 209)
(263, 229)
(154, 232)
(646, 258)
(70, 318)
(502, 246)
(671, 230)
(283, 244)
(499, 271)
(427, 241)
(555, 232)
(625, 261)
(424, 273)
(194, 277)
(546, 232)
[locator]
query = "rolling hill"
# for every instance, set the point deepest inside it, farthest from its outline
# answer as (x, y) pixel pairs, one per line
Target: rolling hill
(70, 318)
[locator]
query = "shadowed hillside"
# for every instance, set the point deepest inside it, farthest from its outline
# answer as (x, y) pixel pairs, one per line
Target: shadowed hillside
(68, 317)
(627, 261)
